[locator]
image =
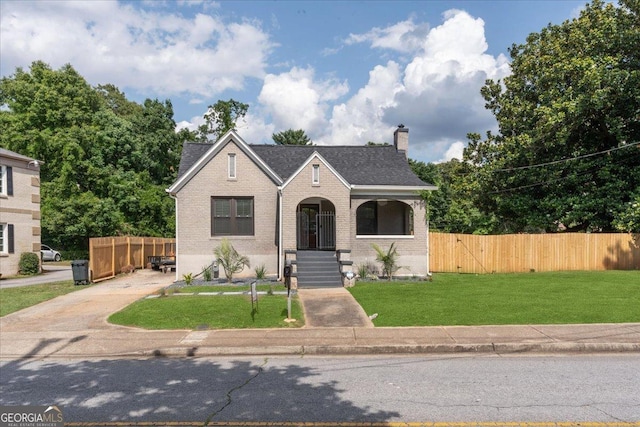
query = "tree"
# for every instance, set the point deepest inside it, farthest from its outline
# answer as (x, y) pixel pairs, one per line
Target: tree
(107, 160)
(565, 155)
(220, 118)
(291, 137)
(451, 207)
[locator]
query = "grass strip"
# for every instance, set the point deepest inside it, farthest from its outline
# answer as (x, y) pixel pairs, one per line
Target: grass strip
(213, 312)
(14, 299)
(501, 299)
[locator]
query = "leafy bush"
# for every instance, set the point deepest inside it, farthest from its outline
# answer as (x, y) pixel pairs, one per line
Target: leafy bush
(230, 260)
(71, 255)
(29, 263)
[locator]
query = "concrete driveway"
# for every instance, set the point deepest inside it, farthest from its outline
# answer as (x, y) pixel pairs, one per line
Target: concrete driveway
(88, 308)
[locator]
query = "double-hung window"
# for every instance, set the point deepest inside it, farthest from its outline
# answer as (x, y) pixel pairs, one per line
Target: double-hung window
(6, 239)
(232, 216)
(5, 181)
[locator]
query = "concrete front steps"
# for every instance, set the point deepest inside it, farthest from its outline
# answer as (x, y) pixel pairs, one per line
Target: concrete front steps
(318, 269)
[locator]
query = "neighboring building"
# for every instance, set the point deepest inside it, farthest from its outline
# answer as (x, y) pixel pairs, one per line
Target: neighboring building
(19, 209)
(273, 201)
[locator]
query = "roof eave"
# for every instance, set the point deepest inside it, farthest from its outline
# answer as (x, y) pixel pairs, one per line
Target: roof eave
(390, 190)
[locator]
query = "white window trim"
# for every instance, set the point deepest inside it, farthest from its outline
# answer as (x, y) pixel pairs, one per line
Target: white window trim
(315, 174)
(231, 169)
(3, 181)
(5, 238)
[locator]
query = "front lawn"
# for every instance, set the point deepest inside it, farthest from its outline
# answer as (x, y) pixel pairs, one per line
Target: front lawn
(14, 299)
(212, 312)
(501, 299)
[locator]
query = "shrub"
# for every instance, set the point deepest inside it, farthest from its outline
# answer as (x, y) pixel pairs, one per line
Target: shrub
(206, 273)
(188, 278)
(230, 260)
(29, 263)
(261, 272)
(366, 270)
(388, 259)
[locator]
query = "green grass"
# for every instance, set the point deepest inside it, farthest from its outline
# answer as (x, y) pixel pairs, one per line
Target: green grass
(14, 299)
(499, 299)
(216, 312)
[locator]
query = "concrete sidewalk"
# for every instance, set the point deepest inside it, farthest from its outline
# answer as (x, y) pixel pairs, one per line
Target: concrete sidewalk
(75, 326)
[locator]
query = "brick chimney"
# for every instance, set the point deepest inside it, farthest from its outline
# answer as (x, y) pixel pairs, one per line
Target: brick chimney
(401, 140)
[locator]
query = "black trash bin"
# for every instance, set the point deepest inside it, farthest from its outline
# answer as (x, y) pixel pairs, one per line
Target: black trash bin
(80, 269)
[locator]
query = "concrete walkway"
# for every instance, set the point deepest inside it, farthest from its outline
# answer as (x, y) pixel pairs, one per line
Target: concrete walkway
(331, 308)
(75, 326)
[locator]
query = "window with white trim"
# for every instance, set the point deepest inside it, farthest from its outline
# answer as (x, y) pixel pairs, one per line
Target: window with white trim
(3, 180)
(4, 238)
(232, 166)
(315, 175)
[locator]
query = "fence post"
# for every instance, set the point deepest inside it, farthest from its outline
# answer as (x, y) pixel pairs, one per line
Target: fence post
(113, 257)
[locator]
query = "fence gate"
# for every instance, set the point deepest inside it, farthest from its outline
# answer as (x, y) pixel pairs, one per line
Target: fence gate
(316, 231)
(326, 230)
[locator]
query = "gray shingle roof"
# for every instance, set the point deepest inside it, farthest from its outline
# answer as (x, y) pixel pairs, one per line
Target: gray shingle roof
(358, 165)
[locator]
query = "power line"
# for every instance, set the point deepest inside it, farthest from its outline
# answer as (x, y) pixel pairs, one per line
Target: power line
(569, 159)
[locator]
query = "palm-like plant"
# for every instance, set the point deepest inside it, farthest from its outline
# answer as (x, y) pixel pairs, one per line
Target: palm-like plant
(230, 260)
(388, 259)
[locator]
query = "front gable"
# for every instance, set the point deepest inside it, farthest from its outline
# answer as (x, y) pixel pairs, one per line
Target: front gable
(306, 171)
(231, 137)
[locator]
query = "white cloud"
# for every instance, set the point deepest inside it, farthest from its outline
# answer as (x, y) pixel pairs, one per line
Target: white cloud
(360, 119)
(296, 100)
(437, 94)
(454, 151)
(146, 50)
(405, 36)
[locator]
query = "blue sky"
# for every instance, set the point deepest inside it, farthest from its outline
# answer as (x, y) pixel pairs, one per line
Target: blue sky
(346, 72)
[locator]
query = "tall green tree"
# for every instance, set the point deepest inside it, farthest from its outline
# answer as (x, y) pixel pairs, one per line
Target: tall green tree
(220, 118)
(451, 207)
(107, 160)
(565, 155)
(291, 137)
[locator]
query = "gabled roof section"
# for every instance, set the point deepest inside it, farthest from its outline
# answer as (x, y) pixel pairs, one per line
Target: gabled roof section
(16, 156)
(315, 155)
(196, 155)
(358, 165)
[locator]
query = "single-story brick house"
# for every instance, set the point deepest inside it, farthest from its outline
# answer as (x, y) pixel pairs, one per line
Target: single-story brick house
(274, 202)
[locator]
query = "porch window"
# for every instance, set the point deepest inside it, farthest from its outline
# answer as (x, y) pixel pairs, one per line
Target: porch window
(232, 216)
(384, 218)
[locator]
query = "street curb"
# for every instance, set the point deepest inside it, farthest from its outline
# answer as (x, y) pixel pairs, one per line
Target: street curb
(355, 350)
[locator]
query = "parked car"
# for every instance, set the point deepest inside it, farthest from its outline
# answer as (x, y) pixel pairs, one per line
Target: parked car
(49, 254)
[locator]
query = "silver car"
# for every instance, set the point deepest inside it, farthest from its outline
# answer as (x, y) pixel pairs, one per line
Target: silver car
(49, 254)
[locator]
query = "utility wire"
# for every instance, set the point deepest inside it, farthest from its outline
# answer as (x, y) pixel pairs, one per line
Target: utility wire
(569, 159)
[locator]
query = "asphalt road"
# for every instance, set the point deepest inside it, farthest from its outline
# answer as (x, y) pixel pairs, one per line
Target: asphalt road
(52, 273)
(601, 388)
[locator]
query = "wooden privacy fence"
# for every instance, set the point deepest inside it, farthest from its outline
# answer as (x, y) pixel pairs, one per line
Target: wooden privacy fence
(108, 256)
(464, 253)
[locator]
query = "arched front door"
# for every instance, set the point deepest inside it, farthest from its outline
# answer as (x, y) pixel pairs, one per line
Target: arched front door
(316, 224)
